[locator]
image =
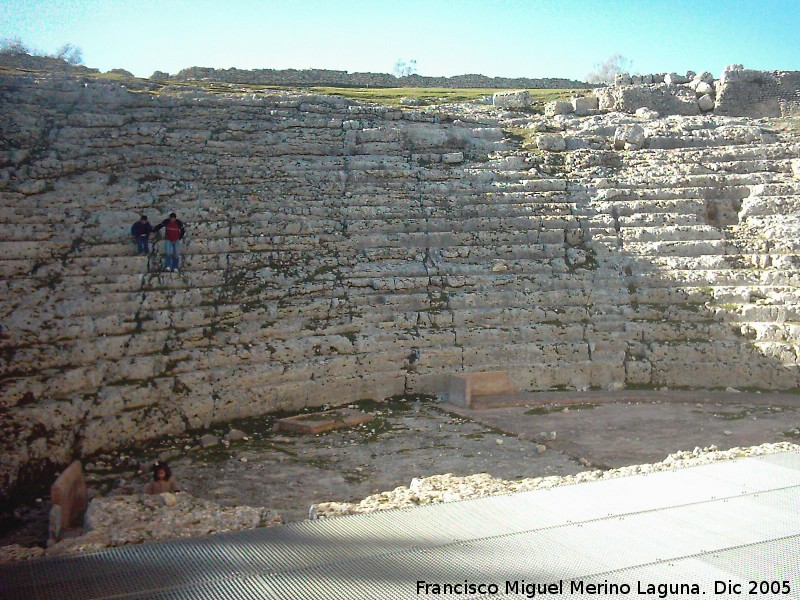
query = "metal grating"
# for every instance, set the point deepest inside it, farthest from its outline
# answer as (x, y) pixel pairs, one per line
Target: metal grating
(721, 519)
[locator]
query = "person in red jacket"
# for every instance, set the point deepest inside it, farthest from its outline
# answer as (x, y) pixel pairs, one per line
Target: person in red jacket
(173, 234)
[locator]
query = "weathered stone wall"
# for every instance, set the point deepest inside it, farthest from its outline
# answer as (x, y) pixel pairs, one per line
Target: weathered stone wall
(662, 98)
(745, 92)
(739, 92)
(339, 251)
(326, 77)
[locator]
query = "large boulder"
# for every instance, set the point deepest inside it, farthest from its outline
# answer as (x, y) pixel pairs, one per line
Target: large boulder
(702, 88)
(706, 103)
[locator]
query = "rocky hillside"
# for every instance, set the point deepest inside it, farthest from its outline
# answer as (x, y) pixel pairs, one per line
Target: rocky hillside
(339, 251)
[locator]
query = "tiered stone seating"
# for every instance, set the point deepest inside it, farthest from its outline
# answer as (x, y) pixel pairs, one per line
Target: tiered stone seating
(703, 274)
(339, 252)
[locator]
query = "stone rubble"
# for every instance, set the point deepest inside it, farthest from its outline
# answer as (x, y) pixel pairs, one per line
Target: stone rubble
(449, 488)
(134, 519)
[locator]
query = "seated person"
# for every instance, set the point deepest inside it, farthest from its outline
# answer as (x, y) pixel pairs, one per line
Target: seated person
(162, 480)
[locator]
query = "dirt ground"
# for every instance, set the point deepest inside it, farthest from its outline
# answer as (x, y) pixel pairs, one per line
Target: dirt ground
(617, 429)
(532, 435)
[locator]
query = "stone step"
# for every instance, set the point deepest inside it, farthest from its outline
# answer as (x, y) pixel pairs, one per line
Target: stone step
(680, 200)
(734, 259)
(670, 233)
(732, 278)
(228, 353)
(676, 248)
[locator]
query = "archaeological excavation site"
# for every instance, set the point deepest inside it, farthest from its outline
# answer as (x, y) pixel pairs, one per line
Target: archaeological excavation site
(430, 260)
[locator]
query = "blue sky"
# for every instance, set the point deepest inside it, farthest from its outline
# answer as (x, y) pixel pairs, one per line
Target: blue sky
(512, 38)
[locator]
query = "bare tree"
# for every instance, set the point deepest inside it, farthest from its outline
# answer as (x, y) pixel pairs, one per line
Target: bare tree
(70, 53)
(14, 46)
(604, 72)
(404, 69)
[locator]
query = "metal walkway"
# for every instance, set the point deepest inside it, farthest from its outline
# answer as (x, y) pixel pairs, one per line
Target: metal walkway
(729, 522)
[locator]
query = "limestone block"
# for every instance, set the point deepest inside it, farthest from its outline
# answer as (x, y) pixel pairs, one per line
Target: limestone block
(706, 103)
(452, 158)
(551, 142)
(637, 372)
(629, 137)
(463, 388)
(512, 100)
(376, 135)
(584, 105)
(418, 136)
(558, 107)
(702, 88)
(675, 79)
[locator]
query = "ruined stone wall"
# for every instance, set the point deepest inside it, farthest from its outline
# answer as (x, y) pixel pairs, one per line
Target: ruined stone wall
(746, 92)
(340, 251)
(739, 92)
(664, 99)
(326, 77)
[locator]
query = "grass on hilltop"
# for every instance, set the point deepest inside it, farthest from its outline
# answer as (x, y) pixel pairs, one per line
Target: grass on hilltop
(426, 96)
(381, 96)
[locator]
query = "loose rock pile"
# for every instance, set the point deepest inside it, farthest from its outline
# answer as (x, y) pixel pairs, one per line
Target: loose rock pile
(133, 519)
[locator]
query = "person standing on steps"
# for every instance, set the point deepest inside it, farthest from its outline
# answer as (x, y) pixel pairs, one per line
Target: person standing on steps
(173, 234)
(141, 231)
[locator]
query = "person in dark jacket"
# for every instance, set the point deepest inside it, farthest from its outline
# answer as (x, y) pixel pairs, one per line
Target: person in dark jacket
(141, 231)
(173, 234)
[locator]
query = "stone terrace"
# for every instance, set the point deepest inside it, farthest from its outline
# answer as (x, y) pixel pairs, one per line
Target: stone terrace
(340, 251)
